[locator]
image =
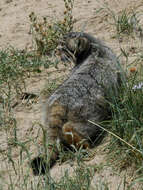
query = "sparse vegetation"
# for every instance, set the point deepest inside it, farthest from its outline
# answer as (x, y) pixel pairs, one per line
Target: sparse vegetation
(47, 34)
(16, 67)
(127, 122)
(126, 23)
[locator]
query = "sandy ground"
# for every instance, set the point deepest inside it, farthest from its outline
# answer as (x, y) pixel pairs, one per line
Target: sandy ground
(90, 17)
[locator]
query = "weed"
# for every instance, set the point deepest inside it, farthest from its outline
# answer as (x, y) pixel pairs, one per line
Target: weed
(125, 23)
(79, 178)
(127, 123)
(47, 35)
(17, 66)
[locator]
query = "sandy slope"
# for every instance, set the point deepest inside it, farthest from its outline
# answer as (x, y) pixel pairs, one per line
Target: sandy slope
(14, 30)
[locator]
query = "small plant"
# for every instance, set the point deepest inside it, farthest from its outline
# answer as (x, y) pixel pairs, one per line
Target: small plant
(127, 123)
(128, 23)
(15, 67)
(46, 35)
(125, 23)
(80, 181)
(77, 179)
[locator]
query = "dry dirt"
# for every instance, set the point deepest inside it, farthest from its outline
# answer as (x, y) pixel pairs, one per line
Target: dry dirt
(90, 17)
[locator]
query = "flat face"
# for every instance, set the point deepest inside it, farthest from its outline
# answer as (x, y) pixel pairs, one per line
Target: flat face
(72, 47)
(65, 54)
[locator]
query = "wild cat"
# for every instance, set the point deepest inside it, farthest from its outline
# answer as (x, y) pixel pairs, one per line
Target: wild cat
(83, 96)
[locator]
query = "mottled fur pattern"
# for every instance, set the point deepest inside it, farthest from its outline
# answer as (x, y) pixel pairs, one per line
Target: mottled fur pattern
(85, 93)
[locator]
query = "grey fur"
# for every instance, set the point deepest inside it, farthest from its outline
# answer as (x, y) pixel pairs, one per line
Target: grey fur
(85, 94)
